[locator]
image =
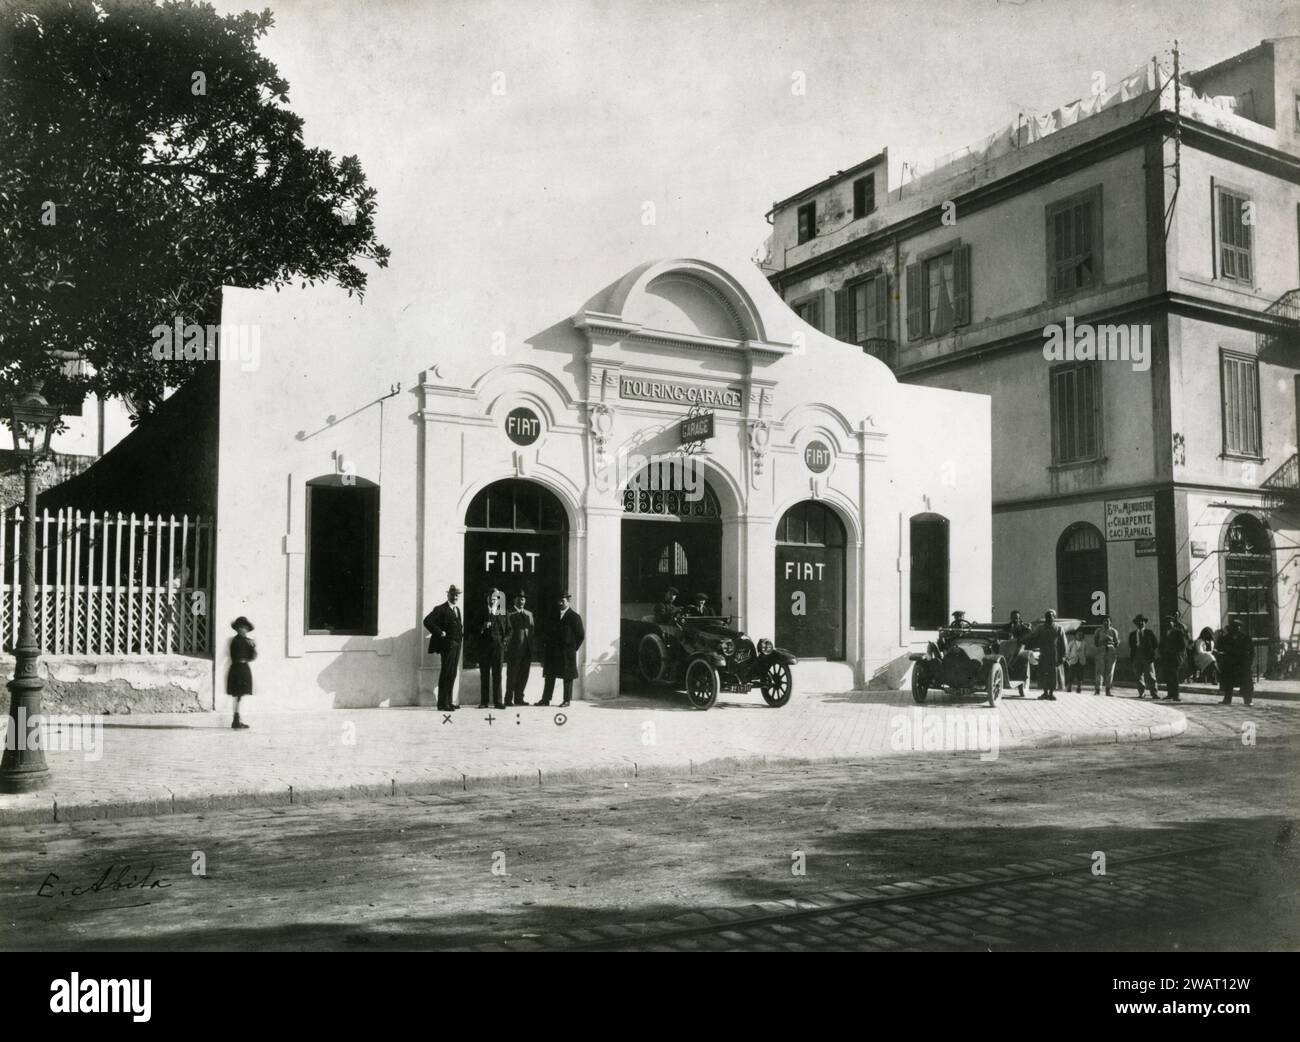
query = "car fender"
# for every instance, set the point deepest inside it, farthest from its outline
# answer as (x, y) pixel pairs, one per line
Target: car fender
(779, 655)
(713, 658)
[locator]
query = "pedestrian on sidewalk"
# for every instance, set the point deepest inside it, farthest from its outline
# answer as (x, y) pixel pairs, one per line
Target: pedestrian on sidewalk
(519, 650)
(239, 678)
(446, 632)
(1105, 644)
(561, 639)
(1203, 654)
(1142, 648)
(1076, 662)
(1236, 655)
(1049, 639)
(1173, 656)
(490, 648)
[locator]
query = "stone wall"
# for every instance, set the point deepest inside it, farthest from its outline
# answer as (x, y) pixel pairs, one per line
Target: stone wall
(121, 684)
(57, 470)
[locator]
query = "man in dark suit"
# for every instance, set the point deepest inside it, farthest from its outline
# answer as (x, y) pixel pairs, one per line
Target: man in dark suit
(1142, 647)
(1173, 650)
(562, 636)
(519, 650)
(1236, 654)
(446, 632)
(490, 634)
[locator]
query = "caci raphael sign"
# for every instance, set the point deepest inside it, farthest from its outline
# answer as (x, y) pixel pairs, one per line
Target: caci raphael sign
(1129, 519)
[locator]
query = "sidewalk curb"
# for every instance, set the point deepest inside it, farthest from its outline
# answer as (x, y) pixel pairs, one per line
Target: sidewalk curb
(45, 809)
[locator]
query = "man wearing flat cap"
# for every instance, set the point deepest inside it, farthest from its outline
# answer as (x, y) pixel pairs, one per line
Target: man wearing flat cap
(1142, 646)
(562, 636)
(446, 633)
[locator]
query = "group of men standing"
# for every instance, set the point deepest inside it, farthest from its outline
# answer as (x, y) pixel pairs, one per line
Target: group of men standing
(1232, 649)
(508, 640)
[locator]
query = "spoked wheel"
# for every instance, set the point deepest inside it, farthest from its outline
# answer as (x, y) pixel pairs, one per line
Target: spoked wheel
(995, 684)
(702, 684)
(777, 684)
(652, 658)
(919, 688)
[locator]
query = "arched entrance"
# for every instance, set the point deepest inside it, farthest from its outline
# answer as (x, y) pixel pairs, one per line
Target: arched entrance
(1248, 583)
(517, 539)
(671, 536)
(810, 581)
(1081, 571)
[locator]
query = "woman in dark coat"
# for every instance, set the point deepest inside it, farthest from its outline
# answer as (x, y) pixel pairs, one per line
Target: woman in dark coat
(239, 678)
(1049, 639)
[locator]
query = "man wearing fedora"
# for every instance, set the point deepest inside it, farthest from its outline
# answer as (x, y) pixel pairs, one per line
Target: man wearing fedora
(1174, 645)
(562, 636)
(1142, 646)
(446, 632)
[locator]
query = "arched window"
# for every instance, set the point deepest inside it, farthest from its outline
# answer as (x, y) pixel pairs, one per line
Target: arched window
(1248, 592)
(929, 585)
(342, 569)
(1081, 572)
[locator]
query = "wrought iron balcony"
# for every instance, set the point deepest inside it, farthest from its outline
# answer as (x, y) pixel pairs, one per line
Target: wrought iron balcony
(1283, 329)
(1282, 487)
(885, 350)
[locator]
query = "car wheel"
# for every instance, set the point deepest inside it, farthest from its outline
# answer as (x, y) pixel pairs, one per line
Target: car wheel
(995, 684)
(919, 689)
(777, 684)
(652, 658)
(702, 684)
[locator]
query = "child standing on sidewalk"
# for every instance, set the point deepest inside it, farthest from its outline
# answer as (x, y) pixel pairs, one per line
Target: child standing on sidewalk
(239, 680)
(1076, 662)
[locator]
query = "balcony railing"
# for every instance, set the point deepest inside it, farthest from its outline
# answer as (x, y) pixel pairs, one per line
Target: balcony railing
(1283, 323)
(885, 350)
(1282, 487)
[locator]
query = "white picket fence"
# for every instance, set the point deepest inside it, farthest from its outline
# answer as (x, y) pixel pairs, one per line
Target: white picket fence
(111, 584)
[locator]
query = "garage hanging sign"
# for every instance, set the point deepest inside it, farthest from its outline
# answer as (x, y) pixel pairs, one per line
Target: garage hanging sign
(1129, 519)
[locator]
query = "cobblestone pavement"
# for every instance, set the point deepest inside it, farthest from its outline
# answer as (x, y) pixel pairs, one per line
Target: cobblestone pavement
(176, 763)
(516, 864)
(1065, 902)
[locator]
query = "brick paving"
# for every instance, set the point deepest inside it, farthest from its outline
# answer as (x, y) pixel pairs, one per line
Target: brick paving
(161, 764)
(1060, 902)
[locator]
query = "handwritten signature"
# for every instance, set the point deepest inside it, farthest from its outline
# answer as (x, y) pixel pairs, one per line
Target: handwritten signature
(107, 882)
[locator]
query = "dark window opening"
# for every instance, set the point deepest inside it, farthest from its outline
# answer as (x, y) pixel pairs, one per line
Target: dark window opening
(342, 557)
(864, 196)
(807, 221)
(929, 577)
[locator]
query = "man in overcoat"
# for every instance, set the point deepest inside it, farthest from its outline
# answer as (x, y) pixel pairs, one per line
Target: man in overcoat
(562, 636)
(1235, 652)
(446, 633)
(1049, 639)
(519, 650)
(490, 632)
(1174, 646)
(1142, 647)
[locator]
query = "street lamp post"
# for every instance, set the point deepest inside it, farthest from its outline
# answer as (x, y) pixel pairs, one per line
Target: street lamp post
(23, 768)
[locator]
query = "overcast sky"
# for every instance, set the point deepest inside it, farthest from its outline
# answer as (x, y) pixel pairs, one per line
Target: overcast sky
(540, 192)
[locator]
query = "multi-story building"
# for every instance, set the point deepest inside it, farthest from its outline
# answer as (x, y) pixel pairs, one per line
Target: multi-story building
(1120, 275)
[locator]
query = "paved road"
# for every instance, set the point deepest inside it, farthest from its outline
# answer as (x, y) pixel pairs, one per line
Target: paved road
(518, 865)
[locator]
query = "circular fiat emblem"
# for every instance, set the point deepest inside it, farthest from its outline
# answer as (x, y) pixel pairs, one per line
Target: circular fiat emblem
(522, 426)
(817, 456)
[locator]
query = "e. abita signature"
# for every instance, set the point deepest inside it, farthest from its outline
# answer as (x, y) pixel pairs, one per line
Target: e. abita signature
(125, 879)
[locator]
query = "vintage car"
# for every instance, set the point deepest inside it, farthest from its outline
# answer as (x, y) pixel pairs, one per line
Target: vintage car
(972, 658)
(704, 655)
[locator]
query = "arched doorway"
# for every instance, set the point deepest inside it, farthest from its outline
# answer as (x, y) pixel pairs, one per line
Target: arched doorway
(1081, 572)
(1248, 583)
(517, 539)
(672, 536)
(810, 581)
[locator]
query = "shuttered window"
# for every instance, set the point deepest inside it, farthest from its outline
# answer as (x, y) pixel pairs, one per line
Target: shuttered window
(807, 221)
(1234, 238)
(939, 293)
(1076, 409)
(862, 310)
(810, 311)
(1241, 427)
(1074, 238)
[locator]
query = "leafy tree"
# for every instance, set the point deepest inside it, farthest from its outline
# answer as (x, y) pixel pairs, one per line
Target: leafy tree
(148, 157)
